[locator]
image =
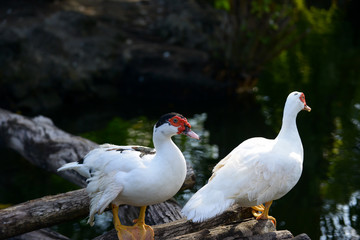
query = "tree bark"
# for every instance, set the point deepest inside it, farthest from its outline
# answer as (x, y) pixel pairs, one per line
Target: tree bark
(43, 212)
(40, 142)
(235, 223)
(52, 210)
(218, 228)
(182, 226)
(249, 230)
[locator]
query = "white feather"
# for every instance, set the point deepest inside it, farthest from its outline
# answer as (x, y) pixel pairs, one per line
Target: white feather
(80, 168)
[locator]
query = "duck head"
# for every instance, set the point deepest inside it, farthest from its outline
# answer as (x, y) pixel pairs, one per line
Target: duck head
(298, 99)
(171, 124)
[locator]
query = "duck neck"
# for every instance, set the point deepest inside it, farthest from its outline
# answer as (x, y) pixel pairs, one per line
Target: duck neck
(164, 144)
(289, 129)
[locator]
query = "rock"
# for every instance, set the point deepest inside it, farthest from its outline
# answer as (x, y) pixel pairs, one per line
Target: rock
(302, 236)
(62, 52)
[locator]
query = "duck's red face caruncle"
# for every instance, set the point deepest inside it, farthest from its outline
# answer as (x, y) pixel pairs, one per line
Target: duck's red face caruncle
(183, 126)
(180, 123)
(302, 98)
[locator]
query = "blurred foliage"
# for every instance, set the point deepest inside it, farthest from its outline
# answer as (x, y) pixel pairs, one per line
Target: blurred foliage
(123, 132)
(240, 36)
(115, 132)
(252, 33)
(222, 4)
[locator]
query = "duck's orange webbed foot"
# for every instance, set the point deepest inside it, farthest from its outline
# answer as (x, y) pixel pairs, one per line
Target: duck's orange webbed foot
(139, 231)
(256, 209)
(264, 212)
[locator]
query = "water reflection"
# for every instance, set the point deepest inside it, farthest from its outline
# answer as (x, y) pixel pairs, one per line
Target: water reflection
(341, 208)
(341, 222)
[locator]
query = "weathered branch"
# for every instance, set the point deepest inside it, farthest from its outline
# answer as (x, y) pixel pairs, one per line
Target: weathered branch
(40, 142)
(43, 212)
(52, 210)
(235, 223)
(181, 227)
(249, 230)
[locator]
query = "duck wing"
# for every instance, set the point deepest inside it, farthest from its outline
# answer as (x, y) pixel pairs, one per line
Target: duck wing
(108, 158)
(103, 167)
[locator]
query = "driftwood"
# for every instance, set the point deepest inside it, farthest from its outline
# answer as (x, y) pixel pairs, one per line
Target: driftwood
(244, 230)
(43, 212)
(182, 226)
(235, 223)
(52, 210)
(40, 142)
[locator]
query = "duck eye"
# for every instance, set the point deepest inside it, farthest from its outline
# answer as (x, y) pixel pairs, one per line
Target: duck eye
(302, 98)
(175, 120)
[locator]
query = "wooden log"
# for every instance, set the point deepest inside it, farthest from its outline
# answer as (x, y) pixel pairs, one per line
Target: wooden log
(221, 227)
(52, 210)
(249, 230)
(182, 226)
(40, 142)
(43, 212)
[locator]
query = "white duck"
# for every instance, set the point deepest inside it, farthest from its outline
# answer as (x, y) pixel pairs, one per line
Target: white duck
(135, 175)
(257, 171)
